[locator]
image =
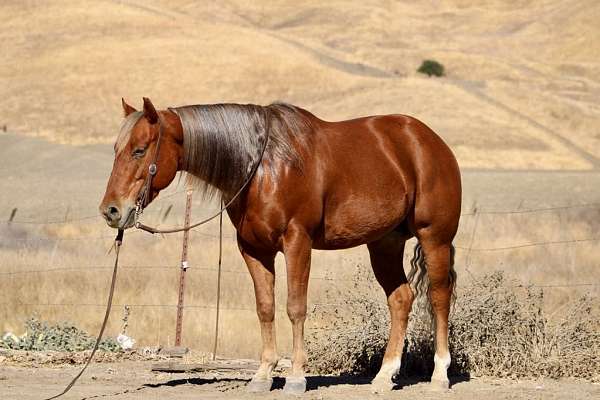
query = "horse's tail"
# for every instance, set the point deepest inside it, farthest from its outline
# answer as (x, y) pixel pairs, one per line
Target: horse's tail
(417, 276)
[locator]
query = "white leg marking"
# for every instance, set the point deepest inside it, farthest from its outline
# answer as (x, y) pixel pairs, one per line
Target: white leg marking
(383, 380)
(265, 371)
(440, 371)
(390, 368)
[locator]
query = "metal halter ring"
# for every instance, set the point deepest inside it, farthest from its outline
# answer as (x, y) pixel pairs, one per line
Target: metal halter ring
(152, 169)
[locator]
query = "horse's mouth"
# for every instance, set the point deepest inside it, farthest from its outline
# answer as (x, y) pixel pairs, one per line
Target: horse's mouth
(129, 221)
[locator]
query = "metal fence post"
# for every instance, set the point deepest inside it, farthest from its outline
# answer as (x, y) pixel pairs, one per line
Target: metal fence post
(184, 266)
(470, 248)
(12, 215)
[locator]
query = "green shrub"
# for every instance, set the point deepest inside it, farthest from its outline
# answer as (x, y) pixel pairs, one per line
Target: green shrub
(64, 336)
(431, 67)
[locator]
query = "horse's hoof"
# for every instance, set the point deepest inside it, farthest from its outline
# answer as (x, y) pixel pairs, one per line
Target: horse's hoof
(295, 386)
(382, 385)
(259, 385)
(439, 384)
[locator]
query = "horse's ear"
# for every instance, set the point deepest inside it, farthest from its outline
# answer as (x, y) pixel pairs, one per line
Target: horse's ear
(149, 111)
(127, 109)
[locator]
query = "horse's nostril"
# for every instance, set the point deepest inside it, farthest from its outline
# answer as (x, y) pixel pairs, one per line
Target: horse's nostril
(112, 213)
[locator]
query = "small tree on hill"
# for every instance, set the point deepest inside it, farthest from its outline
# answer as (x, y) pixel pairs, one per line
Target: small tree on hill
(431, 67)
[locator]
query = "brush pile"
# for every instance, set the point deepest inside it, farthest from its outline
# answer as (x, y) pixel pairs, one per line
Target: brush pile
(497, 328)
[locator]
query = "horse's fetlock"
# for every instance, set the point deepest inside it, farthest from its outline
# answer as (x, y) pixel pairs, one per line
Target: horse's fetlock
(271, 358)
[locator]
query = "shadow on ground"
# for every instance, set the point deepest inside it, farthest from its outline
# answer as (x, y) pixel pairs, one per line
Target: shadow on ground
(314, 382)
(195, 381)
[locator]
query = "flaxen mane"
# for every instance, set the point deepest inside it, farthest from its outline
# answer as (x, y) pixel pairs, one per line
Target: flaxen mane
(223, 142)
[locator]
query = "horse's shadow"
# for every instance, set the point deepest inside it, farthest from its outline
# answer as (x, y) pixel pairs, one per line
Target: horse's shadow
(313, 382)
(316, 381)
(195, 381)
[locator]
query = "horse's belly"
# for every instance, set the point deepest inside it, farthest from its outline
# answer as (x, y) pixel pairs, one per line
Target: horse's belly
(359, 221)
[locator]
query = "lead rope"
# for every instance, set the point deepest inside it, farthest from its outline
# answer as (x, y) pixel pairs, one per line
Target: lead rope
(214, 354)
(118, 243)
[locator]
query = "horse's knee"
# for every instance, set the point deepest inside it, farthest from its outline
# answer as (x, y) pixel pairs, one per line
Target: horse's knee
(296, 312)
(265, 311)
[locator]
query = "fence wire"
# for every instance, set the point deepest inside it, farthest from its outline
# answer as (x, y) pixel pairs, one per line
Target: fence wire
(312, 306)
(85, 220)
(95, 215)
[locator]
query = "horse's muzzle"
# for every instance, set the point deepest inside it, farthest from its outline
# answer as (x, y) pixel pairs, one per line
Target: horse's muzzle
(119, 218)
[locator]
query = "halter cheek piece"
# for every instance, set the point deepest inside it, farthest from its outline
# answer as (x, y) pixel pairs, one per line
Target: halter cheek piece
(145, 194)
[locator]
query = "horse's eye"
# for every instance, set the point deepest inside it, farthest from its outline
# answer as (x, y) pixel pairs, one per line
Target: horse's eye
(139, 152)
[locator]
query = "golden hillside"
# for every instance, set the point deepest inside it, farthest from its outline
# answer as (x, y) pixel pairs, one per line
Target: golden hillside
(521, 90)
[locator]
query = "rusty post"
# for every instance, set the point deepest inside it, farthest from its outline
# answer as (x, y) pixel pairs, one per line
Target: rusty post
(184, 266)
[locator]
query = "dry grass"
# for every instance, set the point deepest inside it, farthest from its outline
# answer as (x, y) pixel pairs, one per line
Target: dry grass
(62, 279)
(501, 105)
(498, 329)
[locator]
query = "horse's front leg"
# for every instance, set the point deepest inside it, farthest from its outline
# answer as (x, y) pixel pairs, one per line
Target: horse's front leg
(297, 246)
(262, 270)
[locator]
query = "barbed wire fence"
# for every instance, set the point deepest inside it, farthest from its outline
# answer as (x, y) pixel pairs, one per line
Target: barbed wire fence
(469, 248)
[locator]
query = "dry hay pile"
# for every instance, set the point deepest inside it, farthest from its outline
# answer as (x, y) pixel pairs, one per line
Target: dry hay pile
(497, 328)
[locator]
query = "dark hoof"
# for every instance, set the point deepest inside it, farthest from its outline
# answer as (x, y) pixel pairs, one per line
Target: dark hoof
(295, 386)
(259, 385)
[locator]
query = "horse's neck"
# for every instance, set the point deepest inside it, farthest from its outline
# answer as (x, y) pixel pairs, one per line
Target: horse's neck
(220, 153)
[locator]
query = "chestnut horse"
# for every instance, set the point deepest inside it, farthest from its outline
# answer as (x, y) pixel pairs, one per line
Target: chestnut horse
(376, 180)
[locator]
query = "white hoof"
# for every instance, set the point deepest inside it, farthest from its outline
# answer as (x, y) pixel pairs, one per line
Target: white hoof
(259, 385)
(294, 386)
(381, 385)
(440, 384)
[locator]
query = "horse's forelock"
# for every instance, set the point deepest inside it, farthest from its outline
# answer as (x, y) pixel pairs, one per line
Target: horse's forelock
(125, 131)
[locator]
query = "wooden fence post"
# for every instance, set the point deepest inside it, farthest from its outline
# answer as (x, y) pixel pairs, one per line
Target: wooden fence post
(184, 266)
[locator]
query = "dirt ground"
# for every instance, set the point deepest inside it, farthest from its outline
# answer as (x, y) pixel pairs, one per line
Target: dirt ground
(135, 380)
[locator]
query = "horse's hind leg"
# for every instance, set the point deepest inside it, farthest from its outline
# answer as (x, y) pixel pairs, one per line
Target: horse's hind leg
(262, 270)
(438, 258)
(386, 260)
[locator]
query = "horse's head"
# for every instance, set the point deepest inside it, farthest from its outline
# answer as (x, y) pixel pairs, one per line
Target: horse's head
(135, 151)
